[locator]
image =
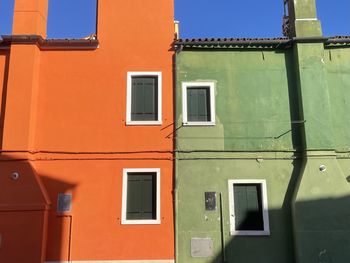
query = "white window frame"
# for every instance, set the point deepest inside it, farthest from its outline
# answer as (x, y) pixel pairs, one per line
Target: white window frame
(233, 230)
(185, 86)
(125, 221)
(131, 74)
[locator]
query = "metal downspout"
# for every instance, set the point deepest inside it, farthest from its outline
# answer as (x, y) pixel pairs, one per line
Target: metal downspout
(303, 158)
(175, 179)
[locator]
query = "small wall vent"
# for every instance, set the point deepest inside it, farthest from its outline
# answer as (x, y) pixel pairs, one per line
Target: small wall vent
(64, 203)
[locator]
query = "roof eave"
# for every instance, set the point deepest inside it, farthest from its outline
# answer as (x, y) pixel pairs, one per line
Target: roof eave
(8, 40)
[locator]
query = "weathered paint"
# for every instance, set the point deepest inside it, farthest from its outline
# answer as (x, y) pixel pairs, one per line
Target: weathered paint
(337, 66)
(303, 18)
(321, 199)
(66, 116)
(253, 130)
(198, 176)
(252, 100)
(320, 202)
(281, 115)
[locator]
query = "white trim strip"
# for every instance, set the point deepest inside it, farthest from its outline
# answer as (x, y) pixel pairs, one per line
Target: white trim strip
(306, 19)
(115, 261)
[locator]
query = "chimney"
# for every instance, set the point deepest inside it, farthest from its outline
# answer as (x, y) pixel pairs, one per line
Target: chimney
(177, 29)
(303, 19)
(24, 78)
(30, 17)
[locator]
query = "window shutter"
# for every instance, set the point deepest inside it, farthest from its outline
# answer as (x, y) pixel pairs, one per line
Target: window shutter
(198, 104)
(149, 197)
(144, 98)
(133, 197)
(203, 105)
(192, 107)
(248, 207)
(150, 104)
(141, 196)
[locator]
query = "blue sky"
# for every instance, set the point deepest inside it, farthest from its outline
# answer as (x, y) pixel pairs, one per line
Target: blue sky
(198, 18)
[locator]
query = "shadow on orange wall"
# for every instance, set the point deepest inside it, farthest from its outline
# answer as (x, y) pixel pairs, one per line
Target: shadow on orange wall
(60, 223)
(25, 212)
(4, 69)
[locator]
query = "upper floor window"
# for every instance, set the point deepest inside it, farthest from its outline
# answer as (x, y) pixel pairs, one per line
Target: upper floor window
(144, 98)
(198, 103)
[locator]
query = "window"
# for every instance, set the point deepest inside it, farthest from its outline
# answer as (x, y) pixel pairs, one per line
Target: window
(141, 196)
(198, 104)
(144, 96)
(248, 207)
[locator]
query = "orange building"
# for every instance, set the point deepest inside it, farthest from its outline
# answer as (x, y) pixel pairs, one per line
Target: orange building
(86, 138)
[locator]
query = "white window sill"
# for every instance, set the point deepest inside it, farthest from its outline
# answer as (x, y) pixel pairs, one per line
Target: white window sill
(250, 233)
(145, 123)
(141, 222)
(199, 123)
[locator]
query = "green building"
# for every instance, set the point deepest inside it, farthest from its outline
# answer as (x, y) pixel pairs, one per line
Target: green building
(263, 146)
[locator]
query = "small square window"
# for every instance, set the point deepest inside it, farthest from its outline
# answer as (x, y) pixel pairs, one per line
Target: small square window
(141, 196)
(144, 98)
(248, 207)
(198, 104)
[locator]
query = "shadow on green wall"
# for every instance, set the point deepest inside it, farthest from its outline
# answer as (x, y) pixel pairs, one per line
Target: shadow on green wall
(326, 238)
(296, 114)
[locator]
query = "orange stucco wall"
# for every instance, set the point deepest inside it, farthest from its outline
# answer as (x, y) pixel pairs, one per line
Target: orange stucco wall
(66, 117)
(86, 90)
(24, 208)
(97, 233)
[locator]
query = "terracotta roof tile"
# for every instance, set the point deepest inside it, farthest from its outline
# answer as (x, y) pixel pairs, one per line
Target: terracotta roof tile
(277, 42)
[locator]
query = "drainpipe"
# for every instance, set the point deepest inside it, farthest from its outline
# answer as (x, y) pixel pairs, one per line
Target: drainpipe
(70, 217)
(316, 133)
(176, 158)
(96, 26)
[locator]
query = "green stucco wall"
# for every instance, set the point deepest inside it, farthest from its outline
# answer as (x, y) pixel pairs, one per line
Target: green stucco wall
(280, 115)
(196, 177)
(255, 135)
(337, 63)
(252, 100)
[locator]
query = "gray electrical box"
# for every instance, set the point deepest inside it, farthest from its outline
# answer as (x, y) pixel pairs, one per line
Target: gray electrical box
(201, 247)
(64, 203)
(210, 201)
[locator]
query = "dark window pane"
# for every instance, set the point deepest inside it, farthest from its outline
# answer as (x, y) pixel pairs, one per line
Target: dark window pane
(144, 98)
(248, 207)
(198, 104)
(141, 196)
